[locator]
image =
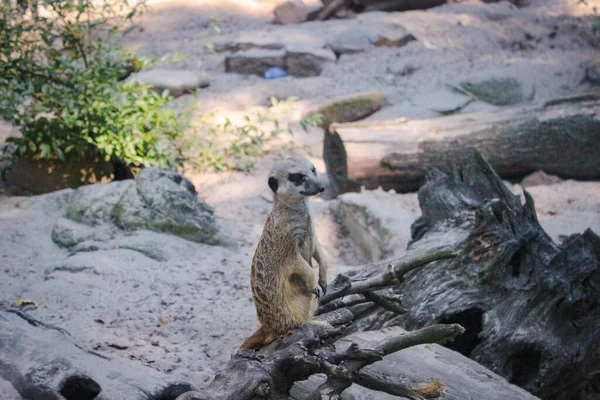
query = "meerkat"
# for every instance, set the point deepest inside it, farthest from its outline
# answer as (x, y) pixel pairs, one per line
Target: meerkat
(285, 284)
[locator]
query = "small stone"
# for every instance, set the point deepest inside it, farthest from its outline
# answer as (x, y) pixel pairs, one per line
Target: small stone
(118, 346)
(366, 35)
(496, 91)
(540, 178)
(176, 81)
(350, 108)
(291, 12)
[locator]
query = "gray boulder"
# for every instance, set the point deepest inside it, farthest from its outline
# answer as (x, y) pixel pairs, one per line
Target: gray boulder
(158, 200)
(165, 201)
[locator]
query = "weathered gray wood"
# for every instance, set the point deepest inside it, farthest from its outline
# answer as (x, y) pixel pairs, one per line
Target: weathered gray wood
(561, 138)
(272, 372)
(44, 362)
(531, 308)
(460, 377)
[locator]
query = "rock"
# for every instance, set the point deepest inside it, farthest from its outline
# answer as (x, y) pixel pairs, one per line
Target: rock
(443, 102)
(292, 12)
(540, 178)
(298, 61)
(350, 108)
(68, 233)
(165, 201)
(366, 35)
(158, 200)
(305, 62)
(496, 91)
(176, 81)
(377, 221)
(592, 73)
(93, 205)
(254, 62)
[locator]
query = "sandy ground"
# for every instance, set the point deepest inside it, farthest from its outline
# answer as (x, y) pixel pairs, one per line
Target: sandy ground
(187, 315)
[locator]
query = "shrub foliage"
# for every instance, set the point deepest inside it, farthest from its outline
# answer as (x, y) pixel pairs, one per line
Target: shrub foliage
(61, 83)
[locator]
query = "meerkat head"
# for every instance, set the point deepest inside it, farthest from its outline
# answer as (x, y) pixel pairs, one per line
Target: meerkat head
(293, 179)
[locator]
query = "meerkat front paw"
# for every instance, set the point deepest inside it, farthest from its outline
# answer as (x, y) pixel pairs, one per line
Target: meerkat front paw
(318, 292)
(323, 286)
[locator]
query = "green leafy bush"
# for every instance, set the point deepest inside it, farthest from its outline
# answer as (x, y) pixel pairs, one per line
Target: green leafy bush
(61, 83)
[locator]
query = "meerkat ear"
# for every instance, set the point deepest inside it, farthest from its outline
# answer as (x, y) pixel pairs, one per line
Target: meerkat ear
(273, 184)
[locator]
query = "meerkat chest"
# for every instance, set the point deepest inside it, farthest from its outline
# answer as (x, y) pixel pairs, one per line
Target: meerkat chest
(306, 242)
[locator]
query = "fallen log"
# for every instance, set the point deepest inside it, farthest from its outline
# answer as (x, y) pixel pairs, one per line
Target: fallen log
(333, 7)
(561, 137)
(44, 362)
(531, 308)
(397, 5)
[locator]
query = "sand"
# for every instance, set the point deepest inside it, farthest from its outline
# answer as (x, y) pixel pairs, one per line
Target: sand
(186, 315)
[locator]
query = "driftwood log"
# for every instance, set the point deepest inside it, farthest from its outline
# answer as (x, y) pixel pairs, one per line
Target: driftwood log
(561, 137)
(530, 307)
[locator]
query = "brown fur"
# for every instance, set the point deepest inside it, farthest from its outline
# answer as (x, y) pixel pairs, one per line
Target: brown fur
(284, 281)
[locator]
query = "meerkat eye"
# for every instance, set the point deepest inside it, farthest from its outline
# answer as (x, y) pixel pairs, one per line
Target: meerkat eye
(296, 178)
(273, 184)
(314, 171)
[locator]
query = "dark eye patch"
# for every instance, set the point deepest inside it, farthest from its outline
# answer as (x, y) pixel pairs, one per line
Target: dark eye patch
(296, 178)
(314, 171)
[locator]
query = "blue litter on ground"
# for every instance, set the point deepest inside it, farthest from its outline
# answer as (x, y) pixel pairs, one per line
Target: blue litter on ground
(274, 73)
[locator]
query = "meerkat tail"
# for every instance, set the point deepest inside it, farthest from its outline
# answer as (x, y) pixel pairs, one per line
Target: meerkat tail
(259, 339)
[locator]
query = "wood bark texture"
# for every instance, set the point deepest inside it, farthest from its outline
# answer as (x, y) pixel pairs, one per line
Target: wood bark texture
(530, 307)
(561, 137)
